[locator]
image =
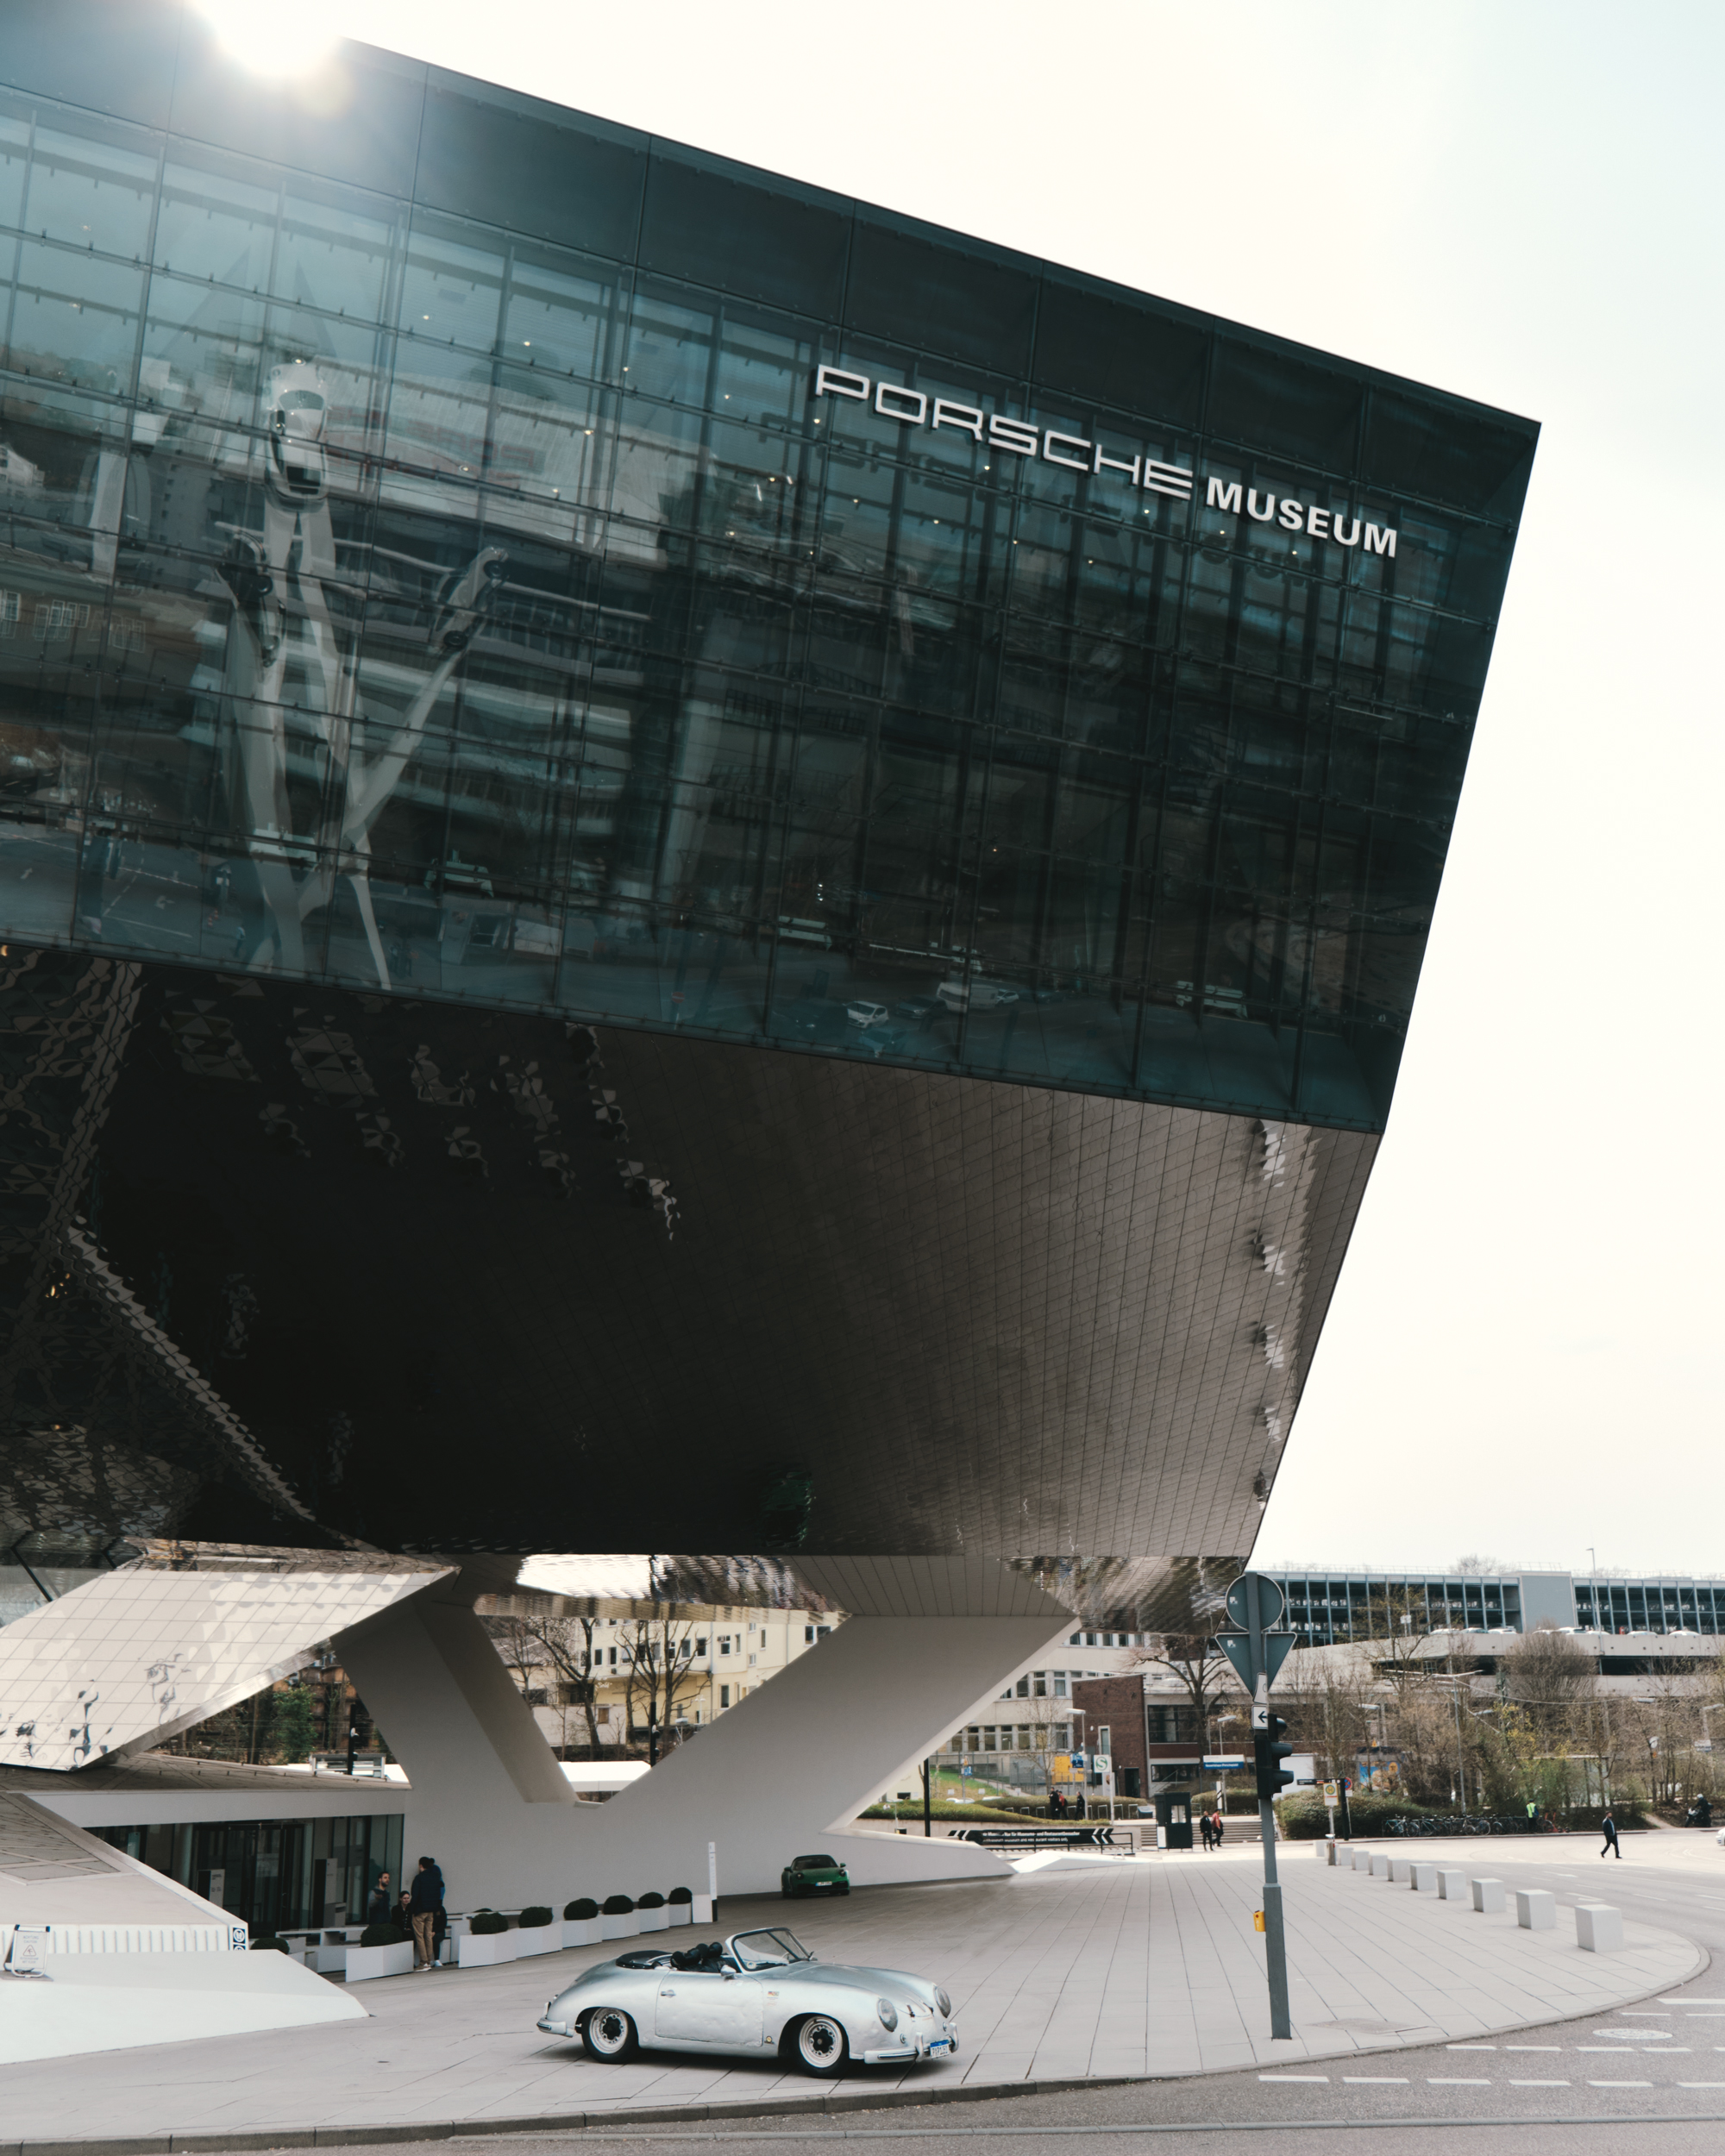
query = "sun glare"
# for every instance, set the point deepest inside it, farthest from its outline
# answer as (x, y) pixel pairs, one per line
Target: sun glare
(293, 41)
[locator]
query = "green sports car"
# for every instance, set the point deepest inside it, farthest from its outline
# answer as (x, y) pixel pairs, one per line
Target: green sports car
(813, 1875)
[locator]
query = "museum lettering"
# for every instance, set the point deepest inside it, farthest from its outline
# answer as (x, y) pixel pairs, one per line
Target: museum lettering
(1018, 437)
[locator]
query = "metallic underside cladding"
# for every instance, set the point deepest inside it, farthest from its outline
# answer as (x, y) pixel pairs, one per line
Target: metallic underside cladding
(291, 1265)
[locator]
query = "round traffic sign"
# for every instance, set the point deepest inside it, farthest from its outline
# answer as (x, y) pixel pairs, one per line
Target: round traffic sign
(1270, 1602)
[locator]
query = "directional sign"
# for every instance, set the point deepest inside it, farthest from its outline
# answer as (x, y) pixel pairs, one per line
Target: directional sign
(1271, 1601)
(1223, 1760)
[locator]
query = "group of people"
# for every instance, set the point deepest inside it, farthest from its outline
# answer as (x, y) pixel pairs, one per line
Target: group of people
(417, 1913)
(1210, 1826)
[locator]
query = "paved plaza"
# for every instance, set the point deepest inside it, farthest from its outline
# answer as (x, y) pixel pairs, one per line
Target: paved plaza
(1125, 1969)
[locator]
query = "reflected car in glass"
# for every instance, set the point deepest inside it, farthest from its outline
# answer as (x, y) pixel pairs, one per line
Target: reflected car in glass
(755, 1995)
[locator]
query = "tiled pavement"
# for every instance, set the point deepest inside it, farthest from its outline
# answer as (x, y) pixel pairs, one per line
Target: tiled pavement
(1141, 1968)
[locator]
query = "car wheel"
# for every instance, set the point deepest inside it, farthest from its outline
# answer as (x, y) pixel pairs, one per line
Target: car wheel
(820, 2047)
(608, 2033)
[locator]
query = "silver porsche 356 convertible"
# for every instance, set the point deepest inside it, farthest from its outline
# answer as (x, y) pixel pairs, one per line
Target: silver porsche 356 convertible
(756, 1994)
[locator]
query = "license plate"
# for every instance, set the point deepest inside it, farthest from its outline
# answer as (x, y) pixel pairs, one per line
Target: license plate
(940, 2043)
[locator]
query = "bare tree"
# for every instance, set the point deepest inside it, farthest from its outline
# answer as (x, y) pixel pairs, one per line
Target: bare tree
(660, 1675)
(1205, 1673)
(568, 1645)
(1549, 1676)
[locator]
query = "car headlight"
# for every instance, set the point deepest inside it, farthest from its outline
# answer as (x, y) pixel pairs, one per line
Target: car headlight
(943, 2003)
(887, 2012)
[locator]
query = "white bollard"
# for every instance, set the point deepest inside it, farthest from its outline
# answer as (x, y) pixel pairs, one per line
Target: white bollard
(1488, 1895)
(1535, 1910)
(1452, 1886)
(1400, 1870)
(1380, 1866)
(1598, 1928)
(1423, 1878)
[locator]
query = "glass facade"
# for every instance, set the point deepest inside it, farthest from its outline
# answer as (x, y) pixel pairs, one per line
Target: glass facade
(1674, 1605)
(1324, 1609)
(280, 1875)
(476, 552)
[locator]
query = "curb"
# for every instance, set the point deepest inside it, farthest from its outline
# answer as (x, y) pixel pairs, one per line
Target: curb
(560, 2122)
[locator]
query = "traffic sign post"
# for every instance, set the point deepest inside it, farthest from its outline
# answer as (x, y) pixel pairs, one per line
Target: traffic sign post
(1254, 1605)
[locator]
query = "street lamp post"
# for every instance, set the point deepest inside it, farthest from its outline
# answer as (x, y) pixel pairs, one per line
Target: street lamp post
(1082, 1714)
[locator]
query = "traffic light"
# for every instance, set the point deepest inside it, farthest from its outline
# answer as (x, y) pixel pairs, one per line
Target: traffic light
(1268, 1751)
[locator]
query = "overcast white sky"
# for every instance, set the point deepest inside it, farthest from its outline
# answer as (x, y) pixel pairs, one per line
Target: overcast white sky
(1519, 202)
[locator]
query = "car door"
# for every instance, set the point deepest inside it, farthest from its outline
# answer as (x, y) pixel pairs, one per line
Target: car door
(704, 2006)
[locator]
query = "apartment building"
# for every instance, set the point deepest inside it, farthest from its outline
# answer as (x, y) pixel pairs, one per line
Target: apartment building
(616, 1675)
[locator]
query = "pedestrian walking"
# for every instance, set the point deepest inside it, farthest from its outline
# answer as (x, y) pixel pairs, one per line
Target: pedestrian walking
(1206, 1830)
(1216, 1826)
(423, 1903)
(1609, 1826)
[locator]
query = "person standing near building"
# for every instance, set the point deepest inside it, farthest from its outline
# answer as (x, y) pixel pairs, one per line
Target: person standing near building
(1610, 1826)
(379, 1909)
(423, 1903)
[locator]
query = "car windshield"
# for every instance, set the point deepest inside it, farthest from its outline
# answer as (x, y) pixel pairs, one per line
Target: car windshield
(812, 1864)
(768, 1950)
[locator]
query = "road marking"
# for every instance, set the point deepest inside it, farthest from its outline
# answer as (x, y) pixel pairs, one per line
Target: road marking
(1620, 2085)
(1469, 2047)
(1376, 2081)
(1700, 2084)
(1539, 2085)
(1293, 2076)
(1455, 2081)
(1532, 2047)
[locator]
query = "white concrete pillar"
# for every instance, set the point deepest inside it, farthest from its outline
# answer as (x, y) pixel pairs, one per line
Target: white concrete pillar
(1535, 1910)
(780, 1774)
(1488, 1895)
(1423, 1878)
(1598, 1929)
(1452, 1885)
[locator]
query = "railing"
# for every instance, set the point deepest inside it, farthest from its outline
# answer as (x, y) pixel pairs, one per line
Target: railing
(136, 1938)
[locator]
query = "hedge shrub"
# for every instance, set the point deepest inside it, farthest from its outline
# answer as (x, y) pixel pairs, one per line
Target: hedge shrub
(650, 1901)
(582, 1911)
(485, 1921)
(535, 1919)
(618, 1905)
(681, 1895)
(379, 1935)
(267, 1943)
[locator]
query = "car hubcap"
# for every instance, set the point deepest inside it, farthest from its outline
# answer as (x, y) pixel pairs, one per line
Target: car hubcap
(821, 2040)
(609, 2032)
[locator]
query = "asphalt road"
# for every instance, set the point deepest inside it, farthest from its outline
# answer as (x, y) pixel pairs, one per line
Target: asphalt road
(1642, 2080)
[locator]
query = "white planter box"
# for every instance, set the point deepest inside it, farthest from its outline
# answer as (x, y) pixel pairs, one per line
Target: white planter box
(582, 1931)
(364, 1962)
(484, 1950)
(538, 1939)
(702, 1906)
(326, 1959)
(621, 1926)
(680, 1913)
(654, 1920)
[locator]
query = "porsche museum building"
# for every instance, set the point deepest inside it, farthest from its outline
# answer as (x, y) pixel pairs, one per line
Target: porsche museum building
(686, 865)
